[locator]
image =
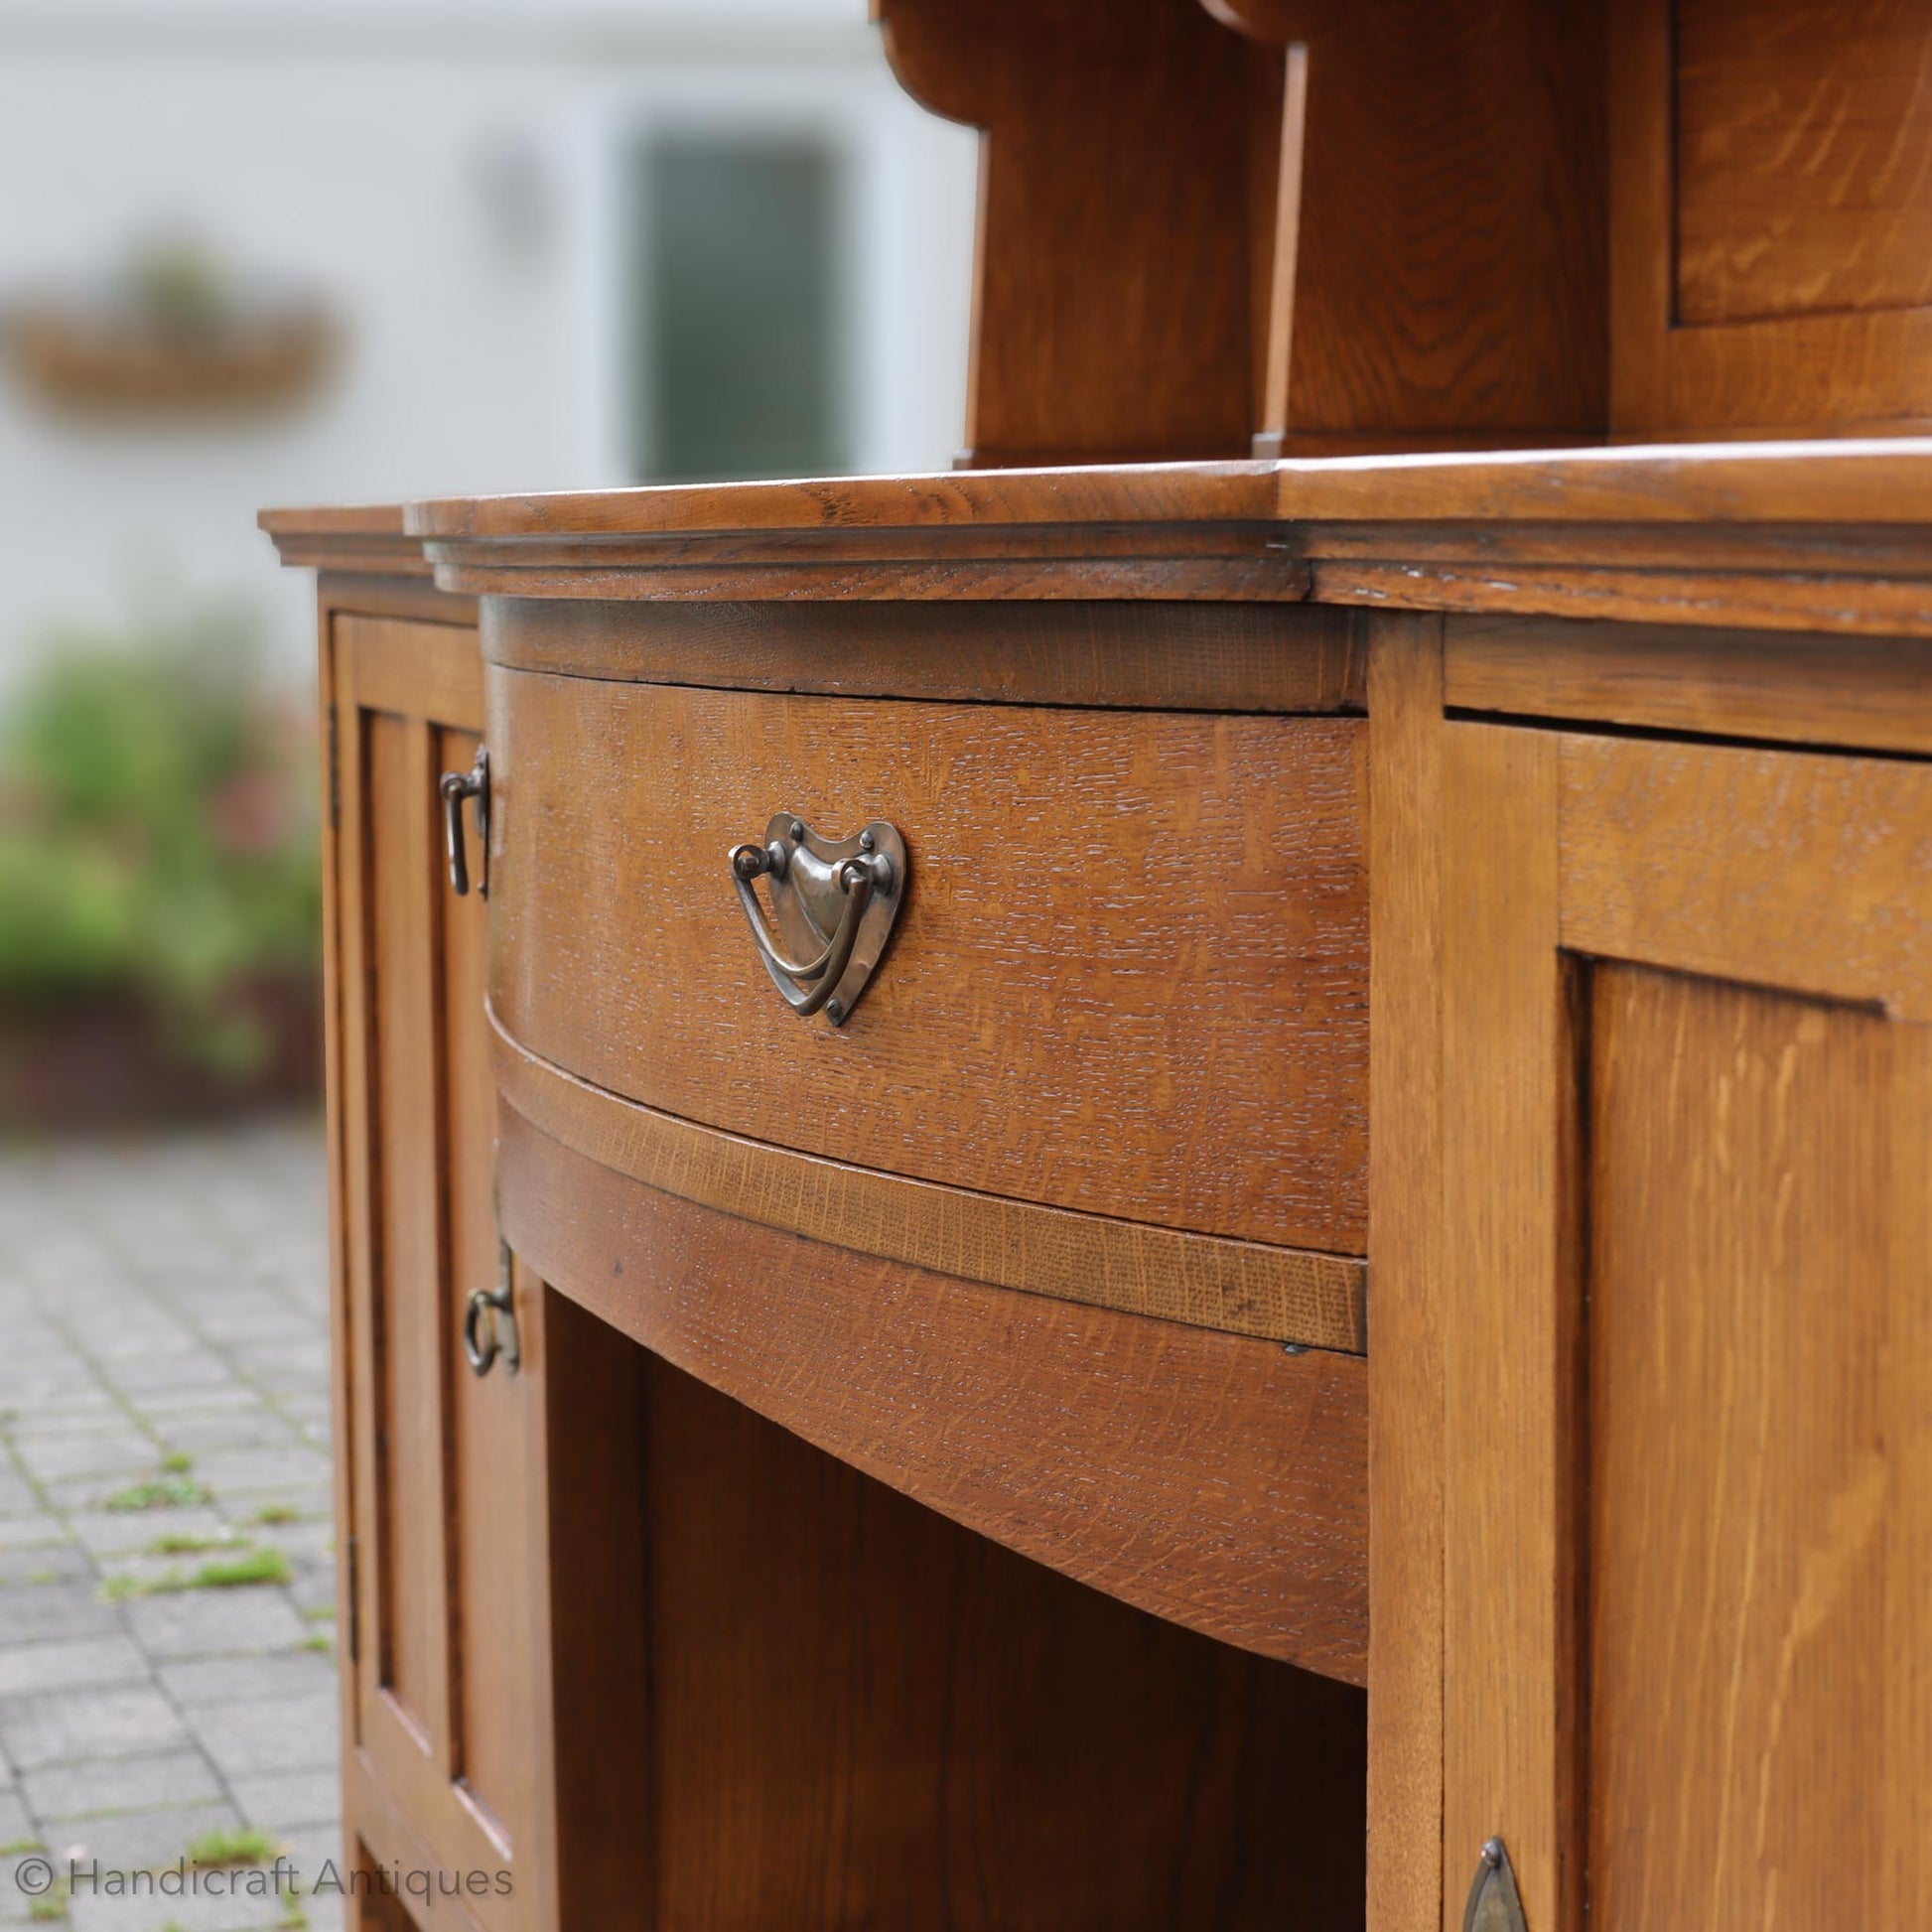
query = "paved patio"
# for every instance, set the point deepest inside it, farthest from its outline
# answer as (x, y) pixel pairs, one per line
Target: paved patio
(163, 1322)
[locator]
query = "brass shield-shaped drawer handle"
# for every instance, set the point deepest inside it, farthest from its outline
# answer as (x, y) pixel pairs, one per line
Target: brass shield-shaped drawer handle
(834, 902)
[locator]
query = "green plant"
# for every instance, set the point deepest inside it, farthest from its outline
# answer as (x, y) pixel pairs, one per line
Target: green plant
(250, 1567)
(157, 830)
(176, 1544)
(158, 1493)
(51, 1907)
(176, 1462)
(228, 1848)
(271, 1514)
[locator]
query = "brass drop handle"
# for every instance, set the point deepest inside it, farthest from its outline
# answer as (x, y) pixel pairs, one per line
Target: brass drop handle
(1494, 1905)
(497, 1306)
(472, 784)
(833, 903)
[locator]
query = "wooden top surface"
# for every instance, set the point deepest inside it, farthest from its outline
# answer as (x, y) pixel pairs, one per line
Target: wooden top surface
(367, 539)
(1872, 481)
(1820, 535)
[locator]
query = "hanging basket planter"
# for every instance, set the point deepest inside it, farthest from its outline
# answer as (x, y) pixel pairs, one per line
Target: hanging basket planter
(175, 333)
(105, 365)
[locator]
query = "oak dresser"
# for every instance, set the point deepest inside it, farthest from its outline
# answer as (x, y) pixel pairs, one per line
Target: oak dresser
(1185, 1180)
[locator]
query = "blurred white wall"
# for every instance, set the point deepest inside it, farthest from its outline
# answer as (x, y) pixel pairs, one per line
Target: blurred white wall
(443, 175)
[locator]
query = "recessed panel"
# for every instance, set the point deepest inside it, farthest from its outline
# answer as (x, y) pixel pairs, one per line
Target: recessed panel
(494, 1608)
(1745, 1479)
(1804, 158)
(407, 1334)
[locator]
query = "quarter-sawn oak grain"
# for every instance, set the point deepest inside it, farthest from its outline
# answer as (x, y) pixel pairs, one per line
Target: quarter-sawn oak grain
(1238, 1287)
(1129, 977)
(1210, 1478)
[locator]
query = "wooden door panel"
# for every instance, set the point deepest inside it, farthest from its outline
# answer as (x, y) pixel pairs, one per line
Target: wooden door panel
(1688, 1456)
(1769, 267)
(1744, 1478)
(492, 1604)
(449, 1662)
(406, 1330)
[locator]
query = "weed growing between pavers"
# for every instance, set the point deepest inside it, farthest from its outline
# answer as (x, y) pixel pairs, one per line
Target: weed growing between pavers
(267, 1566)
(214, 1849)
(159, 1492)
(271, 1515)
(51, 1907)
(178, 1543)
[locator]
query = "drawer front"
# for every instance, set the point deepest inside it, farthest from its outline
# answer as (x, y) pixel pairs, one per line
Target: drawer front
(1129, 975)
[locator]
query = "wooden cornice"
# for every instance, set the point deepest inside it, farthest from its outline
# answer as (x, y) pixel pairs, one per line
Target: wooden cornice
(363, 540)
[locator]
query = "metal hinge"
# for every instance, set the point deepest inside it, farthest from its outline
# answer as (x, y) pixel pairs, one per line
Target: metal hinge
(354, 1600)
(1495, 1905)
(335, 774)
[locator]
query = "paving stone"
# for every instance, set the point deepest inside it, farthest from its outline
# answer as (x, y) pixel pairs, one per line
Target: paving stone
(309, 1542)
(238, 1428)
(67, 1412)
(16, 1826)
(314, 1594)
(234, 1472)
(45, 1563)
(209, 1622)
(245, 1738)
(204, 1909)
(119, 1454)
(31, 1532)
(67, 1724)
(138, 1841)
(319, 1855)
(127, 1532)
(229, 1394)
(26, 1669)
(263, 1320)
(16, 1901)
(286, 1802)
(275, 1679)
(147, 1782)
(157, 1297)
(44, 1612)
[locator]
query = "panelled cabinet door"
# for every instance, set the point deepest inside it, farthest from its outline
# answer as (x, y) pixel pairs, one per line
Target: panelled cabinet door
(448, 1622)
(1688, 1180)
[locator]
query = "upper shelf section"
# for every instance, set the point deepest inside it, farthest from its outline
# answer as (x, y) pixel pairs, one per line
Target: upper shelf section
(1216, 228)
